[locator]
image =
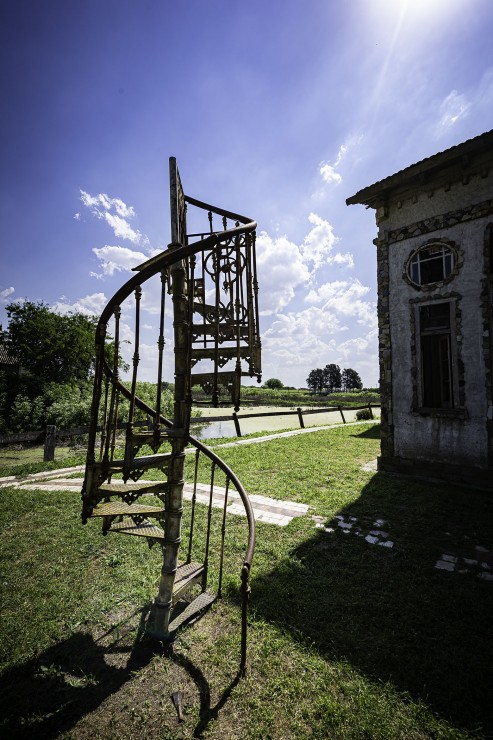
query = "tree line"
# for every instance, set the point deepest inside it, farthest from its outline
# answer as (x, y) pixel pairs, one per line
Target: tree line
(331, 378)
(49, 376)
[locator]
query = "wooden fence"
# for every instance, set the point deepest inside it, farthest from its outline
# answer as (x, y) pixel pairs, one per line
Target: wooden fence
(299, 412)
(51, 434)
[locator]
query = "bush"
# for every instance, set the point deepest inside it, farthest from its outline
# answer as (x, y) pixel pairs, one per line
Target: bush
(274, 384)
(363, 414)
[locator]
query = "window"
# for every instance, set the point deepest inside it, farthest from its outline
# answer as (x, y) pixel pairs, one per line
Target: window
(432, 263)
(437, 363)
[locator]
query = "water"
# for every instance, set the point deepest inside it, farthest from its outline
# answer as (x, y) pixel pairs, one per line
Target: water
(268, 424)
(213, 430)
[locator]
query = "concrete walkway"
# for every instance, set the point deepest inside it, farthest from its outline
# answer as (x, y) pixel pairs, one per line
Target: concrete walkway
(265, 509)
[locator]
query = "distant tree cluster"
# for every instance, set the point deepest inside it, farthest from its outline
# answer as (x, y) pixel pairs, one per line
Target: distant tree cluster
(54, 361)
(331, 378)
(50, 378)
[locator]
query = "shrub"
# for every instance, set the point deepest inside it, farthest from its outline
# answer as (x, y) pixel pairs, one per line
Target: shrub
(363, 414)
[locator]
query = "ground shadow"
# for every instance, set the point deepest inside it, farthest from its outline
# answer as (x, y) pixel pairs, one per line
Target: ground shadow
(207, 713)
(385, 608)
(371, 433)
(51, 693)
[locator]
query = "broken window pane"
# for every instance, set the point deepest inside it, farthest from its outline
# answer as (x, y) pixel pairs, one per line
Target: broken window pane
(431, 264)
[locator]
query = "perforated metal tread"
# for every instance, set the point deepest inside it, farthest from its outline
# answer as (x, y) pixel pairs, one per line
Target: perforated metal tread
(120, 487)
(147, 461)
(118, 508)
(203, 601)
(186, 575)
(145, 529)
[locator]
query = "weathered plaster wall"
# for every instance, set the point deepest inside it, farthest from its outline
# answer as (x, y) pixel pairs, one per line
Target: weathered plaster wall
(431, 202)
(451, 440)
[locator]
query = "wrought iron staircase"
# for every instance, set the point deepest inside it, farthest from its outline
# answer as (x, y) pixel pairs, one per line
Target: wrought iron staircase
(211, 277)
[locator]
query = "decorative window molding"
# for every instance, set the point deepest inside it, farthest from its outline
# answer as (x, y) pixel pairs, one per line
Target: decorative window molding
(433, 264)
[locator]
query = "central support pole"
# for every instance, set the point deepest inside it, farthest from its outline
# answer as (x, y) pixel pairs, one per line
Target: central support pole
(181, 417)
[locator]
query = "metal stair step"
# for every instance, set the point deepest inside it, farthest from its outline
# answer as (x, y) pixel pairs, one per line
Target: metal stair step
(145, 529)
(118, 508)
(226, 328)
(224, 352)
(201, 602)
(117, 489)
(142, 463)
(164, 433)
(187, 575)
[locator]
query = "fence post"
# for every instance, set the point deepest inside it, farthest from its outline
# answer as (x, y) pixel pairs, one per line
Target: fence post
(50, 440)
(343, 419)
(237, 424)
(369, 409)
(300, 417)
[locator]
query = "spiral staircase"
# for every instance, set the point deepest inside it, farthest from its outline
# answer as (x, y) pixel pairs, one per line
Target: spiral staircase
(135, 478)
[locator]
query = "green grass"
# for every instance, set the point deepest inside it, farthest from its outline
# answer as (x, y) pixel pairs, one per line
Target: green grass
(346, 639)
(28, 460)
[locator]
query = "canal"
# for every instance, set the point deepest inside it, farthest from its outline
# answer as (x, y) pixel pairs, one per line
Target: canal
(210, 429)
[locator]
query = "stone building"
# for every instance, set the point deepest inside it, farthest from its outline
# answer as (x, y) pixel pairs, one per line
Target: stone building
(435, 288)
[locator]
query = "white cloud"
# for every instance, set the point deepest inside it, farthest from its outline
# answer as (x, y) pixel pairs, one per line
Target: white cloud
(122, 209)
(343, 259)
(284, 266)
(281, 269)
(318, 243)
(117, 258)
(346, 298)
(90, 305)
(453, 108)
(297, 342)
(77, 216)
(6, 293)
(116, 214)
(122, 229)
(103, 201)
(329, 171)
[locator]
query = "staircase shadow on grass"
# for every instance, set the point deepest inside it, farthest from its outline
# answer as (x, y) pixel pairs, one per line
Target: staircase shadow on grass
(388, 611)
(50, 694)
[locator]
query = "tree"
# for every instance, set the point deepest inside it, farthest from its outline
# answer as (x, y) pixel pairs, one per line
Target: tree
(332, 377)
(351, 380)
(49, 346)
(274, 384)
(56, 355)
(316, 380)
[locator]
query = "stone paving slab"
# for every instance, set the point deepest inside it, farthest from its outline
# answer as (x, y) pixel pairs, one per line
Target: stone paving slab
(265, 509)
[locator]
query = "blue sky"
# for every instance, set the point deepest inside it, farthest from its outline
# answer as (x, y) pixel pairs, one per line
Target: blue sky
(277, 109)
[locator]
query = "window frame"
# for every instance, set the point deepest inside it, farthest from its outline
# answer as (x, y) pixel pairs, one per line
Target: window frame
(448, 249)
(440, 332)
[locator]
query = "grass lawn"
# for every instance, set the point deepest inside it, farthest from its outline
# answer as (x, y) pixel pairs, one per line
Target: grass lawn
(347, 639)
